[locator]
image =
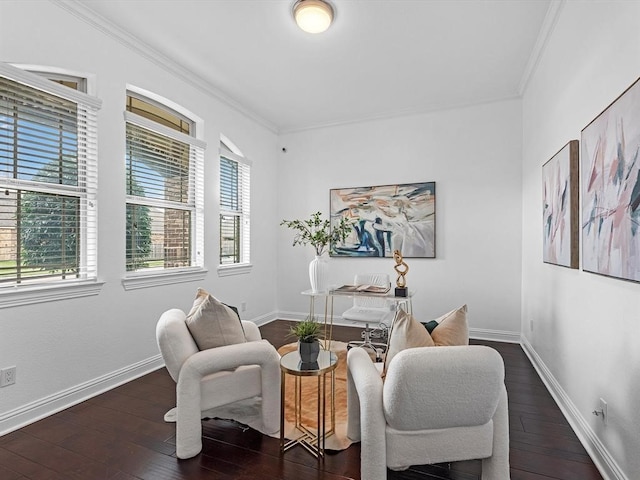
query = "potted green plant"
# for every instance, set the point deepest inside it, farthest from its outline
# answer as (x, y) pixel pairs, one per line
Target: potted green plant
(318, 233)
(308, 332)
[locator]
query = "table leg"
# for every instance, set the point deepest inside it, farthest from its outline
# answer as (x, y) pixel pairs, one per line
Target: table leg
(333, 400)
(320, 437)
(324, 412)
(282, 400)
(328, 320)
(298, 401)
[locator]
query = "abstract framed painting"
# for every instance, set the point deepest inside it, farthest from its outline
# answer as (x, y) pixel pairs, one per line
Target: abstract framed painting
(610, 188)
(560, 207)
(386, 218)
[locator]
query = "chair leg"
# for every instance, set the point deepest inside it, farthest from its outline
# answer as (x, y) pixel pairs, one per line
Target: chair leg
(376, 347)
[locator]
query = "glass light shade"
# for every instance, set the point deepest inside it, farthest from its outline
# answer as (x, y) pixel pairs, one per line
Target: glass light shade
(313, 16)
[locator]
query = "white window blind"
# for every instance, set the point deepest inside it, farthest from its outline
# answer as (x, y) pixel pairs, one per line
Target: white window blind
(235, 218)
(164, 175)
(48, 181)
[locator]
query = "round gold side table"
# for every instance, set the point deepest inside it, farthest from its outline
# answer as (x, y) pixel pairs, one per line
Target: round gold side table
(290, 364)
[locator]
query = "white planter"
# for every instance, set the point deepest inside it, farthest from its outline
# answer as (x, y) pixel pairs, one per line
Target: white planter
(319, 274)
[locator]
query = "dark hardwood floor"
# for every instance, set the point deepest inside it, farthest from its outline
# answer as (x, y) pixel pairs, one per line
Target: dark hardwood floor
(121, 435)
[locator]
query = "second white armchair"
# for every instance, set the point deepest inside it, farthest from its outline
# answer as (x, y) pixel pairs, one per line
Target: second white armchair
(436, 404)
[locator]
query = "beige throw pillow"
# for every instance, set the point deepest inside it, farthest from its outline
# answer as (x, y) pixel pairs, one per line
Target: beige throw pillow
(452, 328)
(406, 332)
(213, 324)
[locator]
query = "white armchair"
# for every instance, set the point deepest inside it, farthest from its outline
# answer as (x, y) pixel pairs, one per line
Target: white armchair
(217, 376)
(436, 404)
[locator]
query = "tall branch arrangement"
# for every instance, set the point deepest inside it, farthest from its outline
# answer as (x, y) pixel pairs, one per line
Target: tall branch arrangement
(317, 232)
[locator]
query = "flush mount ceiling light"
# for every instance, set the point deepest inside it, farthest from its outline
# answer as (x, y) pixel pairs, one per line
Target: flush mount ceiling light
(313, 16)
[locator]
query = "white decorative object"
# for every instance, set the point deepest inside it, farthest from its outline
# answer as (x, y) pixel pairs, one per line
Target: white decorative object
(319, 274)
(321, 236)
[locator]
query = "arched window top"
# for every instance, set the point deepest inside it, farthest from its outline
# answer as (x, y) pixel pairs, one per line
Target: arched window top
(227, 144)
(231, 151)
(196, 129)
(80, 81)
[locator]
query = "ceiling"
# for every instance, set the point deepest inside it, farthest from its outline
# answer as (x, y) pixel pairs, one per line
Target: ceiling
(380, 58)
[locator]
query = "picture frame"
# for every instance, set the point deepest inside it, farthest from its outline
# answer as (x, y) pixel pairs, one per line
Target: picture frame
(560, 208)
(386, 218)
(610, 189)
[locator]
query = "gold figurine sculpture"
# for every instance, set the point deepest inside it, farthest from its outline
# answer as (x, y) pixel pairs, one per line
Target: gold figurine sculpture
(401, 269)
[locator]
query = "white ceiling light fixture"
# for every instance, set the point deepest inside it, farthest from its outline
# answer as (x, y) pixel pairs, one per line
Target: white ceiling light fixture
(313, 16)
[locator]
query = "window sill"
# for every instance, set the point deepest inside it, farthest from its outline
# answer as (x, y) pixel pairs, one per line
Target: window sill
(147, 280)
(28, 295)
(235, 269)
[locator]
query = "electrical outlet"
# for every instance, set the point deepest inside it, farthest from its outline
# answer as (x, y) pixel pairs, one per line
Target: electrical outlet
(531, 325)
(7, 376)
(243, 307)
(603, 409)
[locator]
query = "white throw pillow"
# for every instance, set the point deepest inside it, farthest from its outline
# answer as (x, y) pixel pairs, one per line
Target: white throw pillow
(406, 332)
(450, 329)
(212, 324)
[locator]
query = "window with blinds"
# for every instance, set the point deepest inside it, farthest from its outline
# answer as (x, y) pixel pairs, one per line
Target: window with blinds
(48, 180)
(235, 183)
(164, 182)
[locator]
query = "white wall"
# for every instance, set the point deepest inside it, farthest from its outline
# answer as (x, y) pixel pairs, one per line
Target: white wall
(474, 156)
(582, 328)
(66, 349)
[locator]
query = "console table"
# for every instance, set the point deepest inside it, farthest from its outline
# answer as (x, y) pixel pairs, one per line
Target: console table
(329, 296)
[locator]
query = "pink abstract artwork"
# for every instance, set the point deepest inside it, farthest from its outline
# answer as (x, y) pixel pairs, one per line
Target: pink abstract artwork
(560, 207)
(610, 185)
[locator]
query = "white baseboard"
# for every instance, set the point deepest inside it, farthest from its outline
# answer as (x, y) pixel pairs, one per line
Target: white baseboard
(475, 333)
(494, 335)
(264, 319)
(294, 316)
(39, 409)
(601, 457)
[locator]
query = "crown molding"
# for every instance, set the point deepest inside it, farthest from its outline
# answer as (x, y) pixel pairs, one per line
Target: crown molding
(85, 13)
(546, 30)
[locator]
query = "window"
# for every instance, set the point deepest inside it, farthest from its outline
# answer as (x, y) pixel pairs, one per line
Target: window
(71, 81)
(164, 186)
(48, 160)
(235, 183)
